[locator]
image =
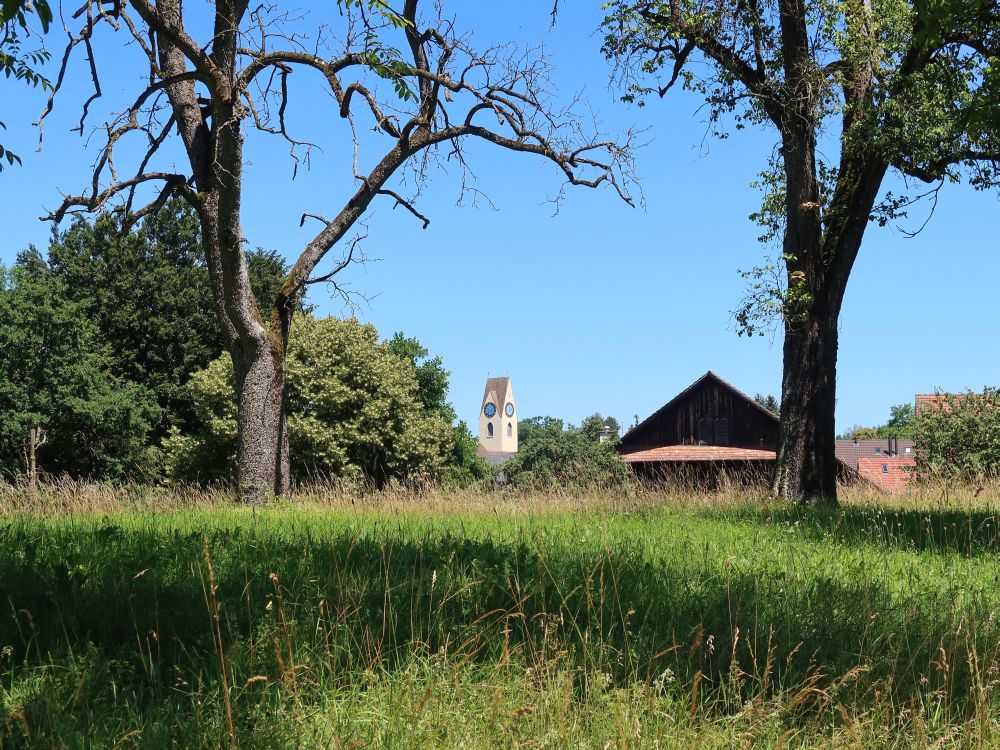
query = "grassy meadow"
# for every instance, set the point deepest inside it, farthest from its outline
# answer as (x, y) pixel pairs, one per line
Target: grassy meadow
(140, 618)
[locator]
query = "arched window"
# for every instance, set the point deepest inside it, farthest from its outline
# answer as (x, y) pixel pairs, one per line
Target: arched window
(721, 431)
(510, 430)
(705, 431)
(489, 429)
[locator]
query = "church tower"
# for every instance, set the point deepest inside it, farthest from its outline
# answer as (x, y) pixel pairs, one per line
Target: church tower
(498, 418)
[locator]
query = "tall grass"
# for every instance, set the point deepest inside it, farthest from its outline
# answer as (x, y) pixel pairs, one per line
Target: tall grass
(154, 618)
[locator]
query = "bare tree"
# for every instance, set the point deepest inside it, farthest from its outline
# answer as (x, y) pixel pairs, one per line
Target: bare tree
(902, 84)
(210, 90)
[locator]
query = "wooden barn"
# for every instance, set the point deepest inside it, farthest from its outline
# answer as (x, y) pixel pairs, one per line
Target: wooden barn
(708, 429)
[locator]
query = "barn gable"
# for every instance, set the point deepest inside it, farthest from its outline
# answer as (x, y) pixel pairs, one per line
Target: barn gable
(710, 412)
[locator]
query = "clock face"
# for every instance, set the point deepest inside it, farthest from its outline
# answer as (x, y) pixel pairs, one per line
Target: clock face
(490, 409)
(509, 409)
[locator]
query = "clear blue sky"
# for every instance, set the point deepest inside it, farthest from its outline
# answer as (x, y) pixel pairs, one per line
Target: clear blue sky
(601, 307)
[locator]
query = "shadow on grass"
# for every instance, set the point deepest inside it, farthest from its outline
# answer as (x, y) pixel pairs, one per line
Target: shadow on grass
(967, 533)
(356, 600)
(118, 620)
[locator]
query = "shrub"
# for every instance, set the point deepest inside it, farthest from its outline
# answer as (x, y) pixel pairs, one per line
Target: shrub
(959, 436)
(566, 459)
(353, 412)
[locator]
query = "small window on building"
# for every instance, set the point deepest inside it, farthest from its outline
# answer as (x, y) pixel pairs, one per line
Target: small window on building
(885, 468)
(705, 431)
(909, 450)
(510, 430)
(878, 450)
(489, 429)
(721, 431)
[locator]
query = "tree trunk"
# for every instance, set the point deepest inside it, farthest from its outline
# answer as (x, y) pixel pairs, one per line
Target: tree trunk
(261, 439)
(806, 469)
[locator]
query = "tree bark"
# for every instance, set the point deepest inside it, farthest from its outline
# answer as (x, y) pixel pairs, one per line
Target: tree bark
(806, 469)
(261, 441)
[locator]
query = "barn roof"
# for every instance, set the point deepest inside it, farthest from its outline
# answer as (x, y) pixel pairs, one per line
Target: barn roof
(680, 396)
(696, 453)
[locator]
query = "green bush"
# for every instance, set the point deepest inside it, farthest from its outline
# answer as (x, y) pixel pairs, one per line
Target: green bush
(566, 459)
(54, 378)
(960, 437)
(353, 412)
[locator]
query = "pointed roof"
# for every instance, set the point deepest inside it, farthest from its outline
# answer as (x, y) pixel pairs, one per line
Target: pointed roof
(499, 386)
(707, 376)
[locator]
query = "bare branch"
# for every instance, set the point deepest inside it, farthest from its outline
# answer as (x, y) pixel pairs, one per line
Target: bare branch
(97, 201)
(400, 201)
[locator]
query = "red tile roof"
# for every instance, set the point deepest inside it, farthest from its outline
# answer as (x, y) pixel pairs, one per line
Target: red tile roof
(888, 472)
(945, 401)
(849, 451)
(696, 453)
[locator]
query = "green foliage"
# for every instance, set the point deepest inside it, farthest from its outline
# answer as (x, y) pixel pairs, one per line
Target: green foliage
(147, 292)
(353, 407)
(538, 427)
(385, 61)
(563, 459)
(960, 438)
(15, 62)
(859, 433)
(52, 377)
(901, 422)
(432, 378)
(769, 402)
(907, 84)
(594, 426)
(464, 467)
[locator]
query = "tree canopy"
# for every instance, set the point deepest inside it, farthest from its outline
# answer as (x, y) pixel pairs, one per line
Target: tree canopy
(405, 76)
(146, 290)
(54, 379)
(16, 61)
(958, 436)
(854, 91)
(354, 410)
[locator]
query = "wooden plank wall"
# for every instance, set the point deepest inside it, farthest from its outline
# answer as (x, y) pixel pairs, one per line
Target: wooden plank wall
(747, 426)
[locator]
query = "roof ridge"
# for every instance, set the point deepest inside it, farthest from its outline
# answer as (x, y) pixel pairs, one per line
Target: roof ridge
(708, 374)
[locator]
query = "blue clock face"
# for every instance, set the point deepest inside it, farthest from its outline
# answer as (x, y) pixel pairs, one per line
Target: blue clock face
(490, 409)
(509, 409)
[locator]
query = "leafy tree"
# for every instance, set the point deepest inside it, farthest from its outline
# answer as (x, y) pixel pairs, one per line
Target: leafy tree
(959, 438)
(553, 460)
(15, 62)
(54, 380)
(900, 422)
(595, 425)
(411, 74)
(859, 433)
(769, 402)
(147, 291)
(463, 465)
(431, 375)
(535, 427)
(904, 85)
(354, 410)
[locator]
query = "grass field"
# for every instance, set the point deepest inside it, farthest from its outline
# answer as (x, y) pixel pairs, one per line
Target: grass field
(139, 618)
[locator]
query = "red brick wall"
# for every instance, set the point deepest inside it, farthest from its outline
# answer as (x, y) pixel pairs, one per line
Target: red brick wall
(901, 470)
